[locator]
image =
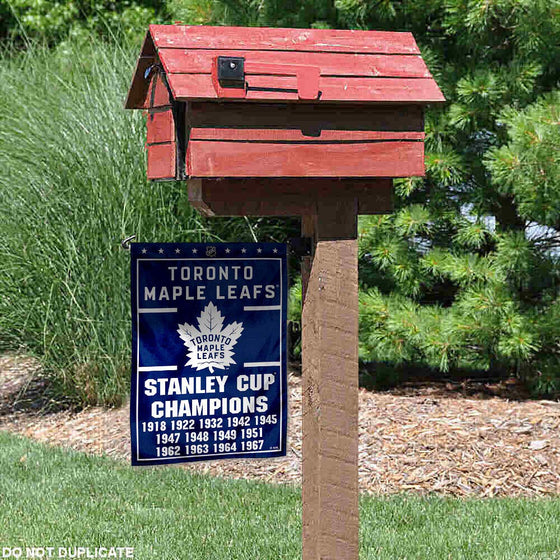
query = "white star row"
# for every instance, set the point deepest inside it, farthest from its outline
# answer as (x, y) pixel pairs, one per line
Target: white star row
(195, 251)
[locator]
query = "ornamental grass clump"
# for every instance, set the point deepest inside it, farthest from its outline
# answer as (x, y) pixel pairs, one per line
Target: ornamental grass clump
(73, 185)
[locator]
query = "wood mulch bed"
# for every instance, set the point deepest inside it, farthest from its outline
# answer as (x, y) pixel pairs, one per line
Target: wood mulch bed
(440, 438)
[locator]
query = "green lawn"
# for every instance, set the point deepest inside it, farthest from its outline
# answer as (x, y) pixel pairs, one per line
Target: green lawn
(50, 497)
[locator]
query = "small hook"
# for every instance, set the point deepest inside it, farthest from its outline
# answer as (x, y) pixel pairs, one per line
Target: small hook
(148, 70)
(153, 67)
(125, 243)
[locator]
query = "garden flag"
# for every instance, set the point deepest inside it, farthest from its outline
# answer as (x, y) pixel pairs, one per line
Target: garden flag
(208, 351)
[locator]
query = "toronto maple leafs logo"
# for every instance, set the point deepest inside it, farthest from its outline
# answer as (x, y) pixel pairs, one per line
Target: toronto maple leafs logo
(210, 346)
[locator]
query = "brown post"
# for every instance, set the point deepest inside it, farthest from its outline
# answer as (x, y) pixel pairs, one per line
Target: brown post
(330, 383)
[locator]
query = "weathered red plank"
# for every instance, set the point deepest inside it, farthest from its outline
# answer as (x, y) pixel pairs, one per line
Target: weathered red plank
(273, 88)
(160, 127)
(161, 161)
(263, 38)
(180, 61)
(353, 89)
(294, 135)
(309, 118)
(373, 159)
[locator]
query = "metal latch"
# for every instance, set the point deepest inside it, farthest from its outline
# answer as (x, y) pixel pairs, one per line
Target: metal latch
(300, 246)
(231, 71)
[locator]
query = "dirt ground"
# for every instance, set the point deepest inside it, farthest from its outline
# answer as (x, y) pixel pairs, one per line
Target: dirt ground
(469, 439)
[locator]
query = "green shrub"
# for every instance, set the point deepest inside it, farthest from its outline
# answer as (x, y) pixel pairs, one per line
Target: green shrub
(53, 21)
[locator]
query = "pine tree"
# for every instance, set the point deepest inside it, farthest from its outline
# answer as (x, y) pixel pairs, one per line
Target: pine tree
(465, 273)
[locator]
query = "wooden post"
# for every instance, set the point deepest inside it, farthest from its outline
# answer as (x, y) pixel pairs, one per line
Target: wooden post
(330, 382)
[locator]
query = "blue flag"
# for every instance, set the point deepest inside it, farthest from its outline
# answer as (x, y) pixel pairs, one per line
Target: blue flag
(208, 351)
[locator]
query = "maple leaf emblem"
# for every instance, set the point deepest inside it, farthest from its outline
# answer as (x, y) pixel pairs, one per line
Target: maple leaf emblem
(210, 345)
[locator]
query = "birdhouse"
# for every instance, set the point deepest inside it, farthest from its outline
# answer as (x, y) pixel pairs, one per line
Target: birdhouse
(246, 103)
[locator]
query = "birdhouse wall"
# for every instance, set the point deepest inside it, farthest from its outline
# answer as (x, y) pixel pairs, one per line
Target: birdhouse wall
(160, 131)
(300, 140)
(161, 145)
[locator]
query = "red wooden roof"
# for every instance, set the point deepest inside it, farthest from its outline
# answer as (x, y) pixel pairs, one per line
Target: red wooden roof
(355, 66)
